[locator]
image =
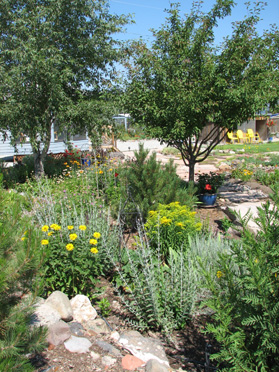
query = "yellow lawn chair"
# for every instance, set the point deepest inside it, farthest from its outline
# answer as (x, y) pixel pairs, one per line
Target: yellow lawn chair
(241, 137)
(231, 137)
(253, 136)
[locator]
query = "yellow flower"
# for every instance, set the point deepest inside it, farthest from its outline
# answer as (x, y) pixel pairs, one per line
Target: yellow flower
(45, 228)
(25, 232)
(94, 250)
(180, 224)
(44, 242)
(23, 238)
(82, 227)
(151, 213)
(97, 235)
(93, 241)
(219, 274)
(73, 236)
(50, 233)
(69, 247)
(165, 221)
(101, 172)
(70, 227)
(55, 227)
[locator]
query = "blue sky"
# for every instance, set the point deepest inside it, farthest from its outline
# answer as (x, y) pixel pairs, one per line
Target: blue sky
(150, 14)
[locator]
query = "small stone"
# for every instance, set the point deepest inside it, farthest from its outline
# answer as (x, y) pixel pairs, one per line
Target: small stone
(115, 336)
(76, 329)
(77, 344)
(95, 356)
(99, 326)
(131, 362)
(154, 366)
(108, 361)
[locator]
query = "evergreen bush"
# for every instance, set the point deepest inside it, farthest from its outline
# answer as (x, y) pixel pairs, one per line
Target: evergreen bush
(20, 261)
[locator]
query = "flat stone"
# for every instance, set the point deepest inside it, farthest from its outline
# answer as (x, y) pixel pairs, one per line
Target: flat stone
(108, 348)
(131, 362)
(77, 344)
(154, 366)
(143, 348)
(58, 333)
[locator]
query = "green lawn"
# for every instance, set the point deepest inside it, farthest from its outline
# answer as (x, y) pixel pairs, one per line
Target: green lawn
(252, 148)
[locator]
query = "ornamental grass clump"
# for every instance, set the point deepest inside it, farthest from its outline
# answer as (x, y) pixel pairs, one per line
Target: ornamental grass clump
(244, 296)
(173, 223)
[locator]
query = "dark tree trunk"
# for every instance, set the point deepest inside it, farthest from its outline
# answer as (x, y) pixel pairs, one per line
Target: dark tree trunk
(191, 170)
(38, 164)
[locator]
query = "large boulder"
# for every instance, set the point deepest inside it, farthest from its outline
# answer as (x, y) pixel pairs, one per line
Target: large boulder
(60, 302)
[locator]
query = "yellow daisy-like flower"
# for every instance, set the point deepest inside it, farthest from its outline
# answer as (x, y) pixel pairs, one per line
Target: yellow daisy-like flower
(94, 250)
(54, 226)
(57, 227)
(25, 232)
(82, 227)
(93, 241)
(69, 247)
(23, 238)
(45, 228)
(97, 235)
(73, 237)
(101, 172)
(44, 242)
(50, 233)
(70, 227)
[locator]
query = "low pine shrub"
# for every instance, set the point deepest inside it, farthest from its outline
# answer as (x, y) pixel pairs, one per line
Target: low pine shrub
(244, 291)
(20, 261)
(149, 183)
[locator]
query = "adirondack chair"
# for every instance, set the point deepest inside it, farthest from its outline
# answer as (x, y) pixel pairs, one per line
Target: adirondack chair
(253, 136)
(231, 137)
(241, 137)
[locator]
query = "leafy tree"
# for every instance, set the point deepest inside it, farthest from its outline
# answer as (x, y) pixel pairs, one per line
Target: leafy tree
(56, 57)
(184, 82)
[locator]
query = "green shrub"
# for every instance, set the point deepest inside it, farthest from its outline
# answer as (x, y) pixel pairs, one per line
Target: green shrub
(173, 223)
(149, 183)
(20, 261)
(244, 297)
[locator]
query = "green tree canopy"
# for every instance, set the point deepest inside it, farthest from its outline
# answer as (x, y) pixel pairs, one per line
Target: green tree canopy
(184, 82)
(55, 57)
